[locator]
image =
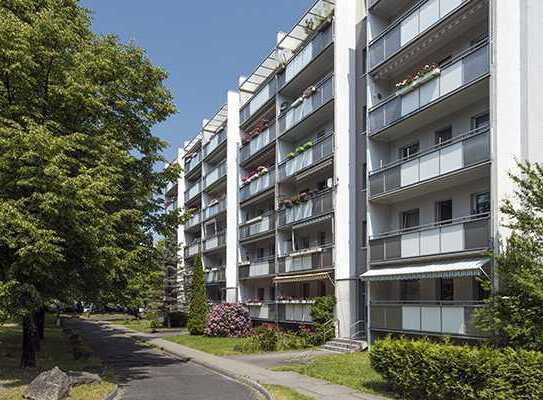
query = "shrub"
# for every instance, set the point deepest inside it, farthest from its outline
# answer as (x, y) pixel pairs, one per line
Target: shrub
(290, 341)
(420, 369)
(228, 320)
(322, 312)
(267, 335)
(249, 344)
(198, 308)
(177, 319)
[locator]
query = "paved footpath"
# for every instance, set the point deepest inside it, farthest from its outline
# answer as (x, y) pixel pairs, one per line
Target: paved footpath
(148, 374)
(316, 388)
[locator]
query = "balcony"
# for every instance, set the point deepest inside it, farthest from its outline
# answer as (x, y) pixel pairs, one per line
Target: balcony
(193, 248)
(406, 29)
(192, 162)
(264, 310)
(215, 275)
(215, 174)
(194, 220)
(320, 204)
(419, 317)
(452, 78)
(303, 107)
(257, 143)
(320, 42)
(214, 241)
(469, 233)
(257, 226)
(193, 191)
(214, 143)
(320, 151)
(257, 186)
(257, 268)
(308, 259)
(214, 209)
(462, 152)
(294, 311)
(263, 96)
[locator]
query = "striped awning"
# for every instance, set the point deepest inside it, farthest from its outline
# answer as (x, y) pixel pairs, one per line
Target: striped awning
(317, 276)
(452, 269)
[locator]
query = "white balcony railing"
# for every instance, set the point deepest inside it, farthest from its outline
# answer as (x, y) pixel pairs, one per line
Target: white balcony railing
(214, 241)
(214, 175)
(262, 310)
(215, 275)
(321, 150)
(257, 226)
(193, 249)
(257, 143)
(193, 191)
(192, 162)
(318, 204)
(214, 209)
(214, 142)
(194, 220)
(308, 259)
(257, 267)
(295, 312)
(258, 100)
(258, 185)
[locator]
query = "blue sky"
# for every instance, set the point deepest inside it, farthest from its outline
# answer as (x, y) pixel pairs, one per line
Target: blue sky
(205, 45)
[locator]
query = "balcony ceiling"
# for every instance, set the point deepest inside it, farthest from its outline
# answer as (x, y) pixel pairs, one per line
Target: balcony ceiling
(389, 8)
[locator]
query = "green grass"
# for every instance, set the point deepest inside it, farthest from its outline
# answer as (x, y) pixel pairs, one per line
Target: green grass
(352, 370)
(284, 393)
(54, 352)
(215, 345)
(140, 325)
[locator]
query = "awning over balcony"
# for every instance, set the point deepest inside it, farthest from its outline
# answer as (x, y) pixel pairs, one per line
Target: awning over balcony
(455, 269)
(317, 276)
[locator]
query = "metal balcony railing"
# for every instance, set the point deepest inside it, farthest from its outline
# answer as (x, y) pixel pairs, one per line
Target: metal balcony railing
(461, 152)
(193, 248)
(193, 191)
(215, 209)
(257, 143)
(471, 232)
(308, 259)
(258, 267)
(308, 53)
(214, 241)
(258, 185)
(215, 174)
(214, 142)
(215, 275)
(258, 100)
(193, 162)
(319, 204)
(302, 108)
(409, 26)
(454, 75)
(194, 220)
(441, 318)
(264, 223)
(321, 150)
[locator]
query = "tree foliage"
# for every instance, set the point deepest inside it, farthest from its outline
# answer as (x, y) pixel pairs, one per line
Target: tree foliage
(513, 314)
(198, 307)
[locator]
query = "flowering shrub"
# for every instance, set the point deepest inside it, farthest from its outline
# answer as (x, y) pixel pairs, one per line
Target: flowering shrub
(228, 320)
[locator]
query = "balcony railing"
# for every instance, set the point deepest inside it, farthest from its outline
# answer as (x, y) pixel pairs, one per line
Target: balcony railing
(459, 72)
(257, 226)
(257, 143)
(311, 51)
(308, 259)
(266, 310)
(193, 191)
(214, 241)
(258, 185)
(258, 267)
(214, 142)
(450, 318)
(294, 312)
(409, 26)
(214, 175)
(462, 234)
(461, 152)
(215, 209)
(193, 162)
(194, 220)
(193, 249)
(320, 204)
(258, 100)
(318, 152)
(324, 92)
(215, 275)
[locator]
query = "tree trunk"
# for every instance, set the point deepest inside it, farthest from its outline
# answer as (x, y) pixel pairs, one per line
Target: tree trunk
(28, 356)
(40, 322)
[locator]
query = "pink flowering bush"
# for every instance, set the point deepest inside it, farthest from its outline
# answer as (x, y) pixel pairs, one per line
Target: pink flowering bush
(228, 320)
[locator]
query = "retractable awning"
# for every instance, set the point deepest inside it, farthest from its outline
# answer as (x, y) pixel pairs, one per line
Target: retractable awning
(302, 278)
(454, 269)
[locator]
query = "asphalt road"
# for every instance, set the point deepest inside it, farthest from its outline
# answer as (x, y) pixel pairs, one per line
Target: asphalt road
(148, 374)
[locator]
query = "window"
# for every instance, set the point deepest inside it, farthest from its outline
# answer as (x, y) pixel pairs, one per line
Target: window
(443, 135)
(410, 219)
(260, 294)
(322, 288)
(260, 252)
(446, 289)
(272, 292)
(480, 121)
(409, 150)
(409, 290)
(364, 233)
(480, 203)
(364, 175)
(306, 289)
(322, 238)
(444, 211)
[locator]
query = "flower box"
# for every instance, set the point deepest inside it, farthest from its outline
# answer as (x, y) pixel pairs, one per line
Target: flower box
(416, 82)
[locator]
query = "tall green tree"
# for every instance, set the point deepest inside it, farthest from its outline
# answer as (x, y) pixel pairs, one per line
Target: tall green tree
(198, 307)
(513, 315)
(78, 200)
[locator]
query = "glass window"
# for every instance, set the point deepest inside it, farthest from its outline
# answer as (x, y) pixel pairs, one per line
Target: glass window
(480, 121)
(409, 290)
(306, 290)
(480, 203)
(410, 219)
(364, 233)
(260, 294)
(443, 135)
(444, 211)
(322, 238)
(364, 175)
(446, 289)
(409, 150)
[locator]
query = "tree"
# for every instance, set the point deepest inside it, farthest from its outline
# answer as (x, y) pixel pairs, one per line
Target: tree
(198, 308)
(513, 314)
(79, 205)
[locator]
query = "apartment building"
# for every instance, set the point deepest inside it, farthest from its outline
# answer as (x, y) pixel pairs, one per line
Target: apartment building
(366, 157)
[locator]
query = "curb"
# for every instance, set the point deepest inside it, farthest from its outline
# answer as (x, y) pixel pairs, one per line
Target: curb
(113, 394)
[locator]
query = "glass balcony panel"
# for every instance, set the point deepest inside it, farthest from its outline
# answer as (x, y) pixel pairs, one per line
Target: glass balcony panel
(193, 162)
(257, 143)
(313, 207)
(215, 209)
(214, 142)
(215, 275)
(377, 52)
(392, 41)
(215, 241)
(265, 311)
(315, 154)
(192, 249)
(323, 258)
(258, 100)
(429, 14)
(446, 6)
(194, 220)
(257, 186)
(267, 223)
(192, 191)
(217, 173)
(409, 28)
(476, 64)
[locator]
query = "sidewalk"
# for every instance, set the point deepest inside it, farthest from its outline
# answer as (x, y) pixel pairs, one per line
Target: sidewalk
(318, 389)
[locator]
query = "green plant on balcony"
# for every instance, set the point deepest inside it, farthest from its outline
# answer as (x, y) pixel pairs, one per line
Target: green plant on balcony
(291, 155)
(416, 79)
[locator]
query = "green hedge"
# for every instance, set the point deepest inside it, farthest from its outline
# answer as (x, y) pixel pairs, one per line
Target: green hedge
(422, 370)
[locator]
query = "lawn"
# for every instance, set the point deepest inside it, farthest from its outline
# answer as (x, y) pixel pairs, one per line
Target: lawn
(54, 352)
(220, 346)
(352, 370)
(283, 393)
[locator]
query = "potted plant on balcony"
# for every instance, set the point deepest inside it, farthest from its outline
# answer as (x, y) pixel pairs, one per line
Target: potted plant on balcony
(423, 75)
(291, 155)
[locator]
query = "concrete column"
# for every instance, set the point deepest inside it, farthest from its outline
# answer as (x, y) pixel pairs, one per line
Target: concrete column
(232, 194)
(348, 16)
